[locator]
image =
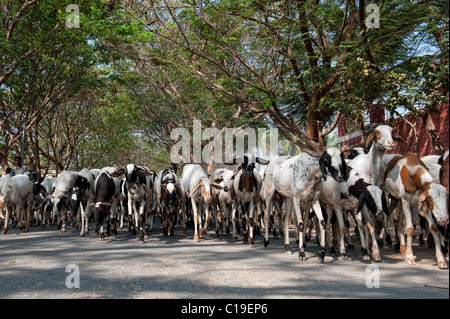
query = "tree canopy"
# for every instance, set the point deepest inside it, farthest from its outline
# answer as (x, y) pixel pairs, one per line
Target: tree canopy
(110, 90)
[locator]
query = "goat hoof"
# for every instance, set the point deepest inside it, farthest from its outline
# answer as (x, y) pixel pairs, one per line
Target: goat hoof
(288, 249)
(380, 242)
(275, 234)
(266, 243)
(321, 254)
(421, 241)
(82, 234)
(301, 254)
(5, 230)
(430, 242)
(377, 258)
(343, 257)
(365, 255)
(411, 260)
(333, 251)
(388, 241)
(443, 265)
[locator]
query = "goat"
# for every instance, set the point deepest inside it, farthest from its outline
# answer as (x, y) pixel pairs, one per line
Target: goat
(47, 204)
(299, 180)
(196, 187)
(224, 198)
(372, 202)
(83, 193)
(369, 165)
(62, 190)
(247, 187)
(433, 164)
(138, 189)
(444, 179)
(168, 198)
(39, 193)
(107, 197)
(17, 191)
(270, 197)
(410, 184)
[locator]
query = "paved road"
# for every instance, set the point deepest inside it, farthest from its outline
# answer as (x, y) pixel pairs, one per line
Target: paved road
(33, 265)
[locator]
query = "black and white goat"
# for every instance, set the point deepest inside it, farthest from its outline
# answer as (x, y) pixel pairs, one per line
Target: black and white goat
(62, 190)
(138, 190)
(106, 199)
(168, 198)
(299, 180)
(83, 193)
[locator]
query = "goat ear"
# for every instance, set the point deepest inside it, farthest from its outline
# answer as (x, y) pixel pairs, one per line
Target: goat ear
(361, 202)
(117, 173)
(194, 189)
(398, 138)
(218, 179)
(384, 204)
(215, 185)
(262, 161)
(145, 173)
(423, 205)
(343, 167)
(369, 140)
(323, 166)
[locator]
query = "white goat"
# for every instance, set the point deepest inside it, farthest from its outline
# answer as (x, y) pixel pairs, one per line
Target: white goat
(196, 187)
(17, 192)
(63, 189)
(299, 180)
(225, 198)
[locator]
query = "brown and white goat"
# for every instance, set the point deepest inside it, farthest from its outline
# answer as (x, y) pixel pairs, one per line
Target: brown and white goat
(408, 181)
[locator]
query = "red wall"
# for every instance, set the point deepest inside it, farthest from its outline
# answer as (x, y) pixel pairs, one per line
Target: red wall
(423, 146)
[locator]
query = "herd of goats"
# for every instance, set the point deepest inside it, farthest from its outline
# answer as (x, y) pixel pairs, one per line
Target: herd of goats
(320, 191)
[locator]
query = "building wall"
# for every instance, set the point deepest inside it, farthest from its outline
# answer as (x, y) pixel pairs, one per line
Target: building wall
(423, 146)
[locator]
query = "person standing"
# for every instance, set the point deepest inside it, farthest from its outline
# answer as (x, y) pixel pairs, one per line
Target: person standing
(18, 167)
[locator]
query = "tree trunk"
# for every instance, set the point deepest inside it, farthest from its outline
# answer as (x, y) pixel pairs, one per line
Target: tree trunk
(435, 140)
(4, 159)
